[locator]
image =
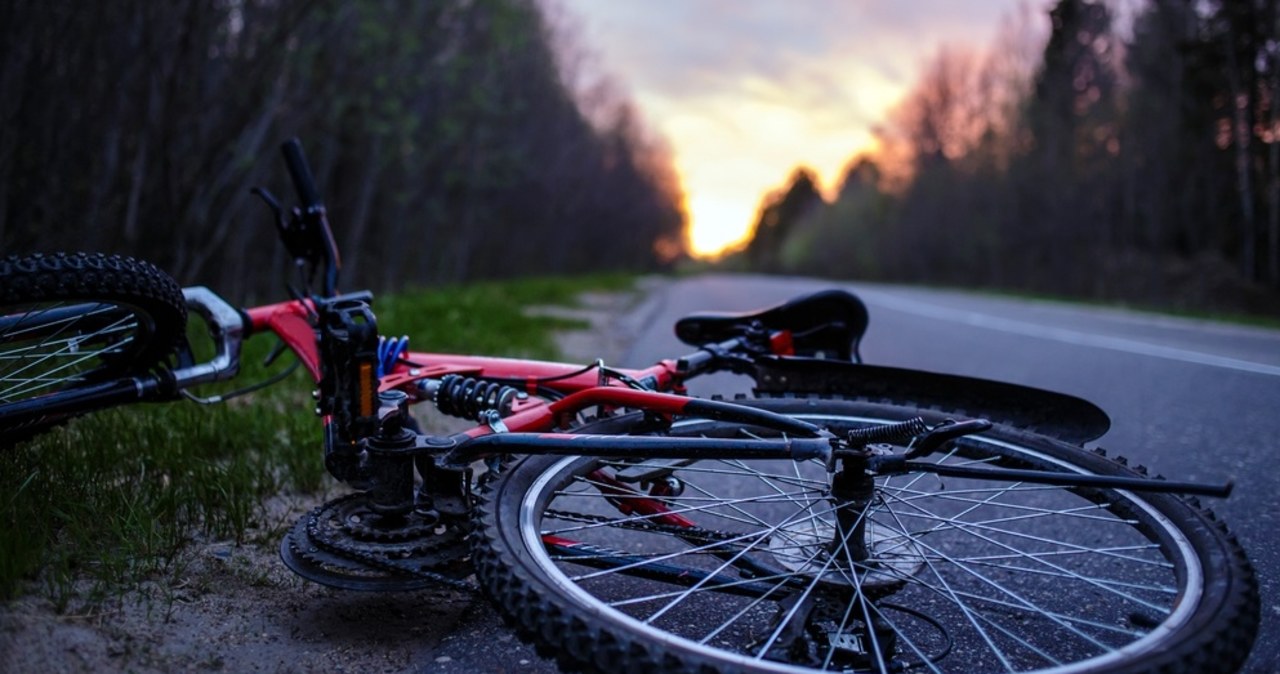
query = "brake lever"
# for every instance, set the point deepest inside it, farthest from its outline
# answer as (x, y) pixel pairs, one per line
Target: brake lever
(273, 204)
(293, 230)
(933, 439)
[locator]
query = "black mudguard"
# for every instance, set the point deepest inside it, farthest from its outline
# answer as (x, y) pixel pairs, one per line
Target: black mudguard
(1054, 414)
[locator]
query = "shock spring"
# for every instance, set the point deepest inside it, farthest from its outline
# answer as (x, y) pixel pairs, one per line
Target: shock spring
(470, 398)
(899, 432)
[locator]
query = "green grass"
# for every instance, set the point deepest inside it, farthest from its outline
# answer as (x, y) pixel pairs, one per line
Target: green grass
(483, 318)
(113, 499)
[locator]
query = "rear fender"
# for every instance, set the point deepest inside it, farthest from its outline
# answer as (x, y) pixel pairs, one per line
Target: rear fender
(1054, 414)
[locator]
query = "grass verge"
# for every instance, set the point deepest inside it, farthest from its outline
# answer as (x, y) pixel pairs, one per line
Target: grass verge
(112, 499)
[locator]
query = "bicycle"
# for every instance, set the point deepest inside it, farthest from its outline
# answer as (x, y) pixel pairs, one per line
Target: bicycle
(850, 517)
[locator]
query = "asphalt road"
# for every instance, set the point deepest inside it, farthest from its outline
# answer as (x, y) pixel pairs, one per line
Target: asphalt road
(1192, 400)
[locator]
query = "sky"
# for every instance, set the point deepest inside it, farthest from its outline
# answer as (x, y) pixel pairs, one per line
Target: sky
(744, 91)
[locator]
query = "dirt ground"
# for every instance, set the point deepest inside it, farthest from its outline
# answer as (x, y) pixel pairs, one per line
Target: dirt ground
(238, 609)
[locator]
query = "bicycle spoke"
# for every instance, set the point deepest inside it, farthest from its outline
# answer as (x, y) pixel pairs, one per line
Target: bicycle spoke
(664, 557)
(707, 507)
(924, 584)
(950, 574)
(978, 530)
(1077, 513)
(972, 507)
(17, 390)
(794, 481)
(726, 564)
(781, 577)
(949, 593)
(1027, 604)
(1106, 552)
(860, 597)
(58, 348)
(765, 480)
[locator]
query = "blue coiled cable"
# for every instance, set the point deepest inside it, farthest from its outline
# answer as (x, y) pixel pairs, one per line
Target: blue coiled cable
(389, 351)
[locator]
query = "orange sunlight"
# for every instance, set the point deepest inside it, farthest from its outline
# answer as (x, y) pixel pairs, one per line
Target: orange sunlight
(745, 92)
(716, 225)
(732, 147)
(725, 178)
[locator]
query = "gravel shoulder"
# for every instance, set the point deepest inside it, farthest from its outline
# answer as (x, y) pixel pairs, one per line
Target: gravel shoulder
(235, 607)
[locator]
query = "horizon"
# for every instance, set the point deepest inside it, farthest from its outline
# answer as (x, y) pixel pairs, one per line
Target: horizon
(747, 92)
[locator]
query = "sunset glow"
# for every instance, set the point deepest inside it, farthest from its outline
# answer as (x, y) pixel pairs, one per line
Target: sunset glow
(734, 147)
(719, 224)
(746, 91)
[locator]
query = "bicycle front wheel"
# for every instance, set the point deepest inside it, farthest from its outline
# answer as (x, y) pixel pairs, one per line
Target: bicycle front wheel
(72, 319)
(737, 565)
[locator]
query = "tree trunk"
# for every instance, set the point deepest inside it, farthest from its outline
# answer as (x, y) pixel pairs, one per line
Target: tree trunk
(1273, 180)
(1241, 102)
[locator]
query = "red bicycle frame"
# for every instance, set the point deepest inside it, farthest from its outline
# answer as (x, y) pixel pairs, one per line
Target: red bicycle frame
(582, 389)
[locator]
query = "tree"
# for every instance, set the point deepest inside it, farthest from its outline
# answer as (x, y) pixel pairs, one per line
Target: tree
(444, 137)
(779, 212)
(1073, 117)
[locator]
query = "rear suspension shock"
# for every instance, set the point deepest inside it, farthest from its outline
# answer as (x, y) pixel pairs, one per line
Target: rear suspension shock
(470, 398)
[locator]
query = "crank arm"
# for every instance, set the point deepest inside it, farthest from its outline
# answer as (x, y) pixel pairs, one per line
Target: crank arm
(895, 465)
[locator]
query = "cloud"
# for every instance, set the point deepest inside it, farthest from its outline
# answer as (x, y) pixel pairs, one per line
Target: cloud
(747, 89)
(686, 47)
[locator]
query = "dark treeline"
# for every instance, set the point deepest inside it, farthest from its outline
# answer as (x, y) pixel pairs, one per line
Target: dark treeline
(1142, 167)
(448, 140)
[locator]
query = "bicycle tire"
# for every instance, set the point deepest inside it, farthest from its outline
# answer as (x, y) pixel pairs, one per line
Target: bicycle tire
(71, 319)
(1154, 583)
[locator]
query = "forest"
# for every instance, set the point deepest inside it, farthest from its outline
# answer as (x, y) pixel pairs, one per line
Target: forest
(449, 138)
(1130, 152)
(1118, 150)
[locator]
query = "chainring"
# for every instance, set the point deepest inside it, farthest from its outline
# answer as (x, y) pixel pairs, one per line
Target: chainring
(346, 544)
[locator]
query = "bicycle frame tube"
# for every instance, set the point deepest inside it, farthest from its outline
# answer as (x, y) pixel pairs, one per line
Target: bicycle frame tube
(289, 320)
(663, 404)
(528, 427)
(568, 377)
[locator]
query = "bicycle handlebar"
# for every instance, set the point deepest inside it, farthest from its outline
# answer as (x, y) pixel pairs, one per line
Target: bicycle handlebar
(307, 235)
(701, 361)
(226, 327)
(303, 181)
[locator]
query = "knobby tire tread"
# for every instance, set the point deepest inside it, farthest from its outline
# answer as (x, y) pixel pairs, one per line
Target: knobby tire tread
(575, 643)
(1218, 638)
(96, 276)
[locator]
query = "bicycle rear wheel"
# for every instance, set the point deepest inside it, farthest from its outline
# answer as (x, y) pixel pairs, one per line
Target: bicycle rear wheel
(72, 319)
(736, 565)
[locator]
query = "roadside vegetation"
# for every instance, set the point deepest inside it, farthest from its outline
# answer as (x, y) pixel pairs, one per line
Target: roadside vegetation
(452, 140)
(115, 499)
(1101, 150)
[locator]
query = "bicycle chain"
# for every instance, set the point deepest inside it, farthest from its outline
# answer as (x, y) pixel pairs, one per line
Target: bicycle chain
(400, 559)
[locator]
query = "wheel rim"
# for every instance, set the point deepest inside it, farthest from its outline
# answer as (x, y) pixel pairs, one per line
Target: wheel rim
(976, 576)
(46, 347)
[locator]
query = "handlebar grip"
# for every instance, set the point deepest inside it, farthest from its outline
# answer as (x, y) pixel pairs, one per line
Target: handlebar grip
(303, 181)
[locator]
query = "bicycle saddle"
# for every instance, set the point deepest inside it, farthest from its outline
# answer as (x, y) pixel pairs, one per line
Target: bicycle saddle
(825, 324)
